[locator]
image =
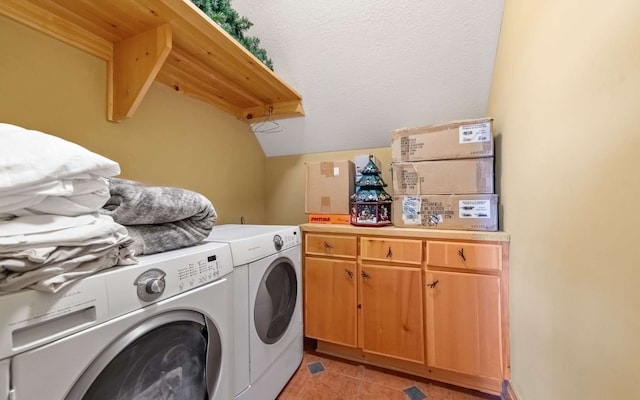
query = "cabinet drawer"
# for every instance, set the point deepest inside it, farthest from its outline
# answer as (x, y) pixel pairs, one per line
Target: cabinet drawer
(331, 245)
(391, 250)
(464, 255)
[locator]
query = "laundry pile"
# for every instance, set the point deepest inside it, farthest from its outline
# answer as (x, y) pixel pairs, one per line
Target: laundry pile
(51, 229)
(159, 218)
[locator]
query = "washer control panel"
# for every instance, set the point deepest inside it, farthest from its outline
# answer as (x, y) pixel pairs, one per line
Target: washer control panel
(255, 242)
(198, 271)
(160, 276)
(286, 239)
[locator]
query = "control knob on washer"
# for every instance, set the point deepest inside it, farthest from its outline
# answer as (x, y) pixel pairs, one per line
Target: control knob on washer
(150, 284)
(155, 286)
(278, 242)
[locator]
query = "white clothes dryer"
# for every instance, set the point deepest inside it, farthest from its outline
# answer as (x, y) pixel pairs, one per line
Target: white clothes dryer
(268, 306)
(161, 329)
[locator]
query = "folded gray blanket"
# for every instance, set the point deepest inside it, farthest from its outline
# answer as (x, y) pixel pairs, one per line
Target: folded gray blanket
(159, 218)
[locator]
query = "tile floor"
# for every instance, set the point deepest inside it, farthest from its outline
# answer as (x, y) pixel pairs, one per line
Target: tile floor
(322, 377)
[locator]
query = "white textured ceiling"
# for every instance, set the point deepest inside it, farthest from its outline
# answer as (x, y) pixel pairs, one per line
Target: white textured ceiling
(367, 67)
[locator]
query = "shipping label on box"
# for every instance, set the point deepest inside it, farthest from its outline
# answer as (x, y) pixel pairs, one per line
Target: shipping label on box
(458, 139)
(329, 184)
(463, 176)
(474, 133)
(466, 212)
(478, 208)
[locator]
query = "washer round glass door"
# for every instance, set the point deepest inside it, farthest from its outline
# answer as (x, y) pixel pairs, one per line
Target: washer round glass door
(176, 355)
(275, 301)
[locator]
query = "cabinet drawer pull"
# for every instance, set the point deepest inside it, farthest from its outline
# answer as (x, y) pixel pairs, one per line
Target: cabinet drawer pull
(461, 254)
(433, 284)
(365, 275)
(389, 253)
(350, 273)
(327, 245)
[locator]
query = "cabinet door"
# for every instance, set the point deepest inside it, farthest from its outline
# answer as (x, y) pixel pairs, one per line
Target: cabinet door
(392, 312)
(464, 323)
(330, 300)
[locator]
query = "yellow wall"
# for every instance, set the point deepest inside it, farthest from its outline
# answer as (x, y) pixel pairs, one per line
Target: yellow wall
(286, 181)
(171, 139)
(566, 98)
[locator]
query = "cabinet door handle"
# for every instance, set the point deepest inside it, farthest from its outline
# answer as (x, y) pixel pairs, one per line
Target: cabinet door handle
(350, 273)
(327, 245)
(461, 254)
(365, 275)
(389, 253)
(433, 284)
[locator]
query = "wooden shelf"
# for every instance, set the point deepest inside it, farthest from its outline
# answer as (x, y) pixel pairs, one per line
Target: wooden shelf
(169, 41)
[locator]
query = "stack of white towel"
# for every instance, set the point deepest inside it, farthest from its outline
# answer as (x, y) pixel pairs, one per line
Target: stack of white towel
(50, 230)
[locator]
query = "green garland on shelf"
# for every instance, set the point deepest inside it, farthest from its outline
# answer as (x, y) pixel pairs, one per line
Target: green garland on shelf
(221, 12)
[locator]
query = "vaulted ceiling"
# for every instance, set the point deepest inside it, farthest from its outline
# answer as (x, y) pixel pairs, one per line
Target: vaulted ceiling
(367, 67)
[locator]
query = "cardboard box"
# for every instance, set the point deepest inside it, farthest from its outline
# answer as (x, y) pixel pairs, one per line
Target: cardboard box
(463, 176)
(473, 212)
(329, 184)
(330, 218)
(460, 139)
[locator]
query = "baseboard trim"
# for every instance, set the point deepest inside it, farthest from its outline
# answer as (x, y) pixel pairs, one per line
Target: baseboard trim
(509, 392)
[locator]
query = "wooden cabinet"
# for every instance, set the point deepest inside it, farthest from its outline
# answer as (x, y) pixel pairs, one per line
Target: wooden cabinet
(464, 308)
(331, 295)
(392, 313)
(464, 323)
(331, 300)
(376, 307)
(426, 302)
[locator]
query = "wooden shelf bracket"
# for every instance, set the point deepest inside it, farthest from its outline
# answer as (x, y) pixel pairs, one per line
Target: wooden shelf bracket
(136, 62)
(167, 41)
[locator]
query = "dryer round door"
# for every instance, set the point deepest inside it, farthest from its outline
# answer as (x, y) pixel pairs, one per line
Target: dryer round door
(275, 301)
(176, 354)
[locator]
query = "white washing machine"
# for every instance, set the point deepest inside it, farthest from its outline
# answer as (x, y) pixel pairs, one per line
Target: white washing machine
(161, 329)
(268, 306)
